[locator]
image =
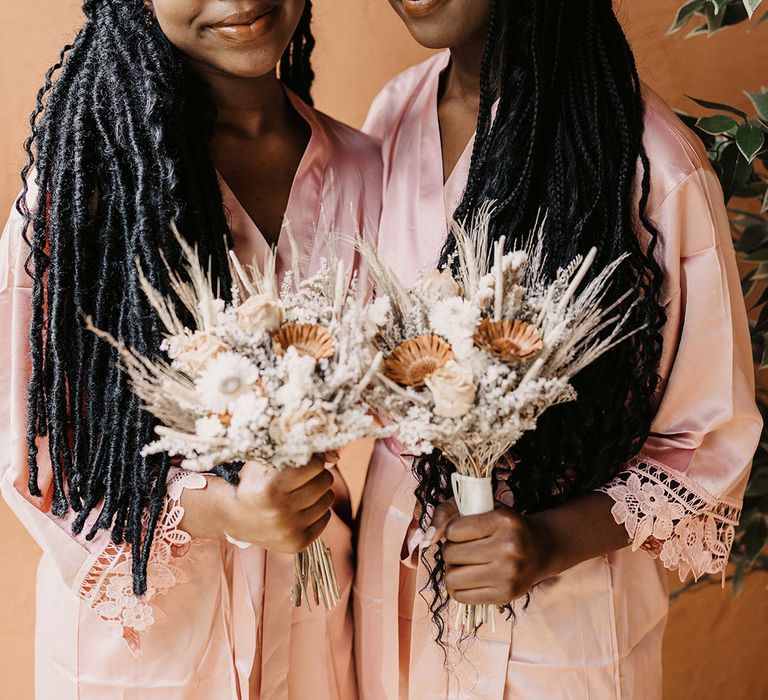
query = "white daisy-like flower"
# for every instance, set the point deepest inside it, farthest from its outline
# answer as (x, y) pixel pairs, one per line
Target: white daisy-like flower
(227, 377)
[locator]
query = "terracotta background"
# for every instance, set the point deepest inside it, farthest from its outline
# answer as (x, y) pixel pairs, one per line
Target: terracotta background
(715, 646)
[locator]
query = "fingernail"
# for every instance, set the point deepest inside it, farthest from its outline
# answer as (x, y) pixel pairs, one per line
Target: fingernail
(429, 535)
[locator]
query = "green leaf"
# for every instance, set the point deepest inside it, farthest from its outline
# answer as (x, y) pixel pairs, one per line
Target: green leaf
(764, 358)
(748, 283)
(762, 299)
(746, 216)
(755, 539)
(739, 576)
(750, 139)
(685, 13)
(751, 6)
(717, 124)
(760, 100)
(752, 237)
(759, 255)
(718, 106)
(703, 29)
(762, 321)
(732, 169)
(714, 18)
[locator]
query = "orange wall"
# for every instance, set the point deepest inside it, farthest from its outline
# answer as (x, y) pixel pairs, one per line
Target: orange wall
(715, 646)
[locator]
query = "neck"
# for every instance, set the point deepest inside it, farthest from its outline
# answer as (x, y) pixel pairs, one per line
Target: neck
(249, 105)
(463, 76)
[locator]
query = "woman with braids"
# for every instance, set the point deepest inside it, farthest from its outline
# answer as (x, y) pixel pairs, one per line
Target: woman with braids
(537, 107)
(168, 110)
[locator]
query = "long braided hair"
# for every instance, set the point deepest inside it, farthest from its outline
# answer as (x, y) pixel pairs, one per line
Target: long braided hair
(567, 142)
(118, 149)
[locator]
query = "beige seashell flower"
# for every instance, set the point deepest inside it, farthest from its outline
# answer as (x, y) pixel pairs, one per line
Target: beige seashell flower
(308, 338)
(453, 389)
(509, 341)
(437, 284)
(415, 359)
(260, 313)
(313, 420)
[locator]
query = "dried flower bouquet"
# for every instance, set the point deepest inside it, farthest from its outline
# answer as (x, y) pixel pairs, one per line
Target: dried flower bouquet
(275, 376)
(472, 359)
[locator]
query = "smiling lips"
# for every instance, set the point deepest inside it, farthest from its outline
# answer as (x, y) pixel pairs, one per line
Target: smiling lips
(246, 26)
(420, 8)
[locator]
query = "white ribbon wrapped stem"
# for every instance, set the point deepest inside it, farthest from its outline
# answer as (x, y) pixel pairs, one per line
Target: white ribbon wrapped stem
(474, 496)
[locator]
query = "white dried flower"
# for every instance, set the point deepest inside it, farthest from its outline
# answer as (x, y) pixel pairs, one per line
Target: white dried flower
(456, 319)
(226, 377)
(485, 290)
(377, 313)
(453, 389)
(193, 350)
(299, 378)
(260, 313)
(301, 424)
(210, 427)
(435, 285)
(250, 410)
(514, 261)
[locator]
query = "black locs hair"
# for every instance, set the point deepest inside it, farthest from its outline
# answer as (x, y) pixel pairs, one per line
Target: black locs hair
(119, 144)
(566, 142)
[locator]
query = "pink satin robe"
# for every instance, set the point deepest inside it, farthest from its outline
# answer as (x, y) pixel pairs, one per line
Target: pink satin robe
(595, 631)
(217, 623)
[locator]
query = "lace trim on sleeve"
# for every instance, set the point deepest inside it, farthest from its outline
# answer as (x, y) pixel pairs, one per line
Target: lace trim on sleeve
(673, 519)
(107, 585)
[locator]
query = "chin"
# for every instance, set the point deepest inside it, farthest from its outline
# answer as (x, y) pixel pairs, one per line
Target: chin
(248, 70)
(435, 35)
(450, 24)
(253, 63)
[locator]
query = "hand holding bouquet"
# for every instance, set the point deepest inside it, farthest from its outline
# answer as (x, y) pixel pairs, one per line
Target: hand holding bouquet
(473, 359)
(275, 377)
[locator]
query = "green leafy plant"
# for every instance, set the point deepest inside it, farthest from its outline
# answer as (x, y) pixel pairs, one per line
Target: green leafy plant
(737, 144)
(714, 15)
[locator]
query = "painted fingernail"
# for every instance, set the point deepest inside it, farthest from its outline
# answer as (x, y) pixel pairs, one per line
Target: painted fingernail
(429, 535)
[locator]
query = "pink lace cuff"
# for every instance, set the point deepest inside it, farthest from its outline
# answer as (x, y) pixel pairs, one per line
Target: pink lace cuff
(673, 519)
(107, 585)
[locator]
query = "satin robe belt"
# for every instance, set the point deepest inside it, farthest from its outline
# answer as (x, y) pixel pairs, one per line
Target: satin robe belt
(245, 612)
(263, 618)
(479, 668)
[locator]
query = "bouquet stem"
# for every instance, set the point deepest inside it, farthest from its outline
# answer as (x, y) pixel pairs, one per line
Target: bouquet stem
(474, 496)
(314, 578)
